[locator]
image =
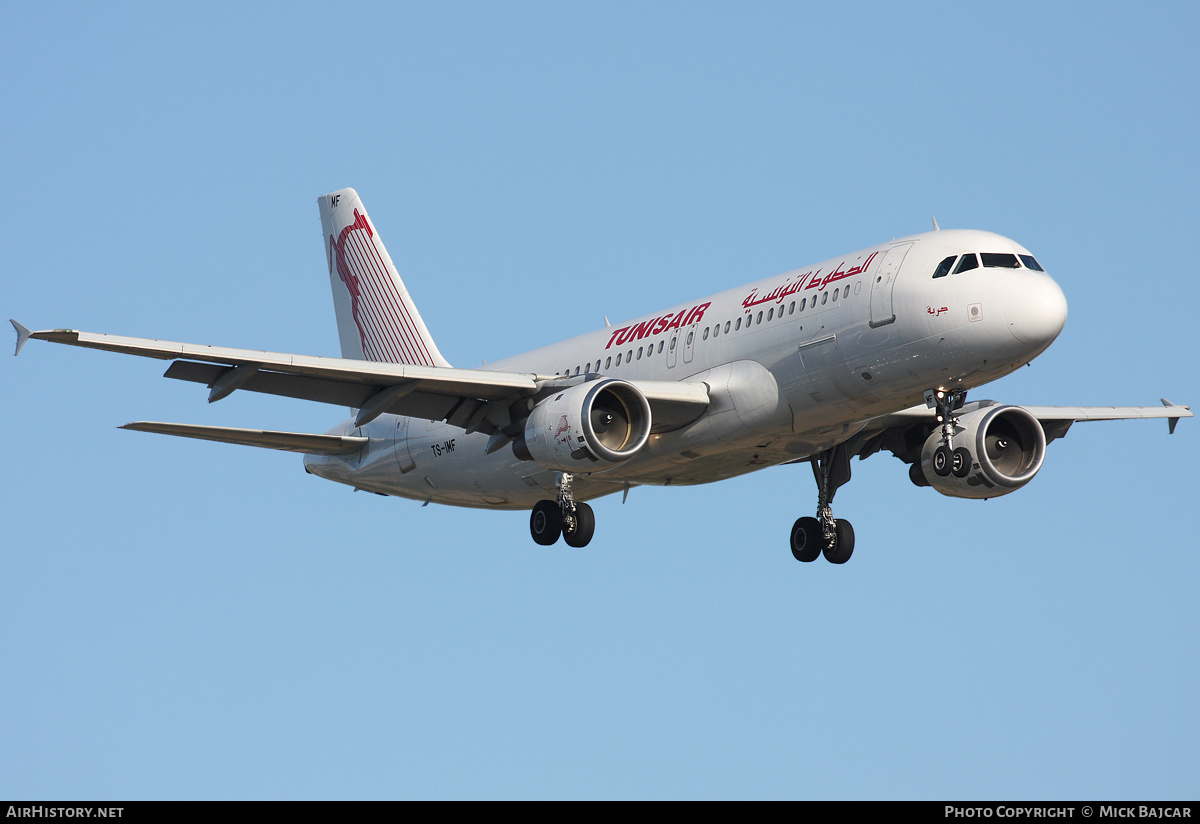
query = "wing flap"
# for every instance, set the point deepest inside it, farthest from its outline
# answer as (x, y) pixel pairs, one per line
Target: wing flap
(286, 441)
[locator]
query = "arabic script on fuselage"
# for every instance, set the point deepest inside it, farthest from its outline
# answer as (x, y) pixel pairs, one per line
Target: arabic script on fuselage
(809, 280)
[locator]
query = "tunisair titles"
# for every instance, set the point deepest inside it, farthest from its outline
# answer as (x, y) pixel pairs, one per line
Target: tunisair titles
(686, 317)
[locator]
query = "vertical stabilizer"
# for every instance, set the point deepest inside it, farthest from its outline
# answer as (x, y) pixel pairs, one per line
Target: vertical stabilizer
(376, 317)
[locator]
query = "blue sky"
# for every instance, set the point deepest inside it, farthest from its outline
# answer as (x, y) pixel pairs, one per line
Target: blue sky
(193, 620)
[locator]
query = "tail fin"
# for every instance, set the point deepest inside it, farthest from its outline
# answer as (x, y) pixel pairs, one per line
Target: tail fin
(376, 317)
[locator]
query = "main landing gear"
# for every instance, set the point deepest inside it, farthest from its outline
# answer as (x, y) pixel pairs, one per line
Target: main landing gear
(574, 521)
(813, 536)
(947, 459)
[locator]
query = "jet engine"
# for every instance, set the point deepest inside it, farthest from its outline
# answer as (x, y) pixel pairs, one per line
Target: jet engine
(997, 449)
(589, 427)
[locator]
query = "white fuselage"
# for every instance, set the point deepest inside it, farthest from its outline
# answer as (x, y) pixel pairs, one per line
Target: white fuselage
(795, 364)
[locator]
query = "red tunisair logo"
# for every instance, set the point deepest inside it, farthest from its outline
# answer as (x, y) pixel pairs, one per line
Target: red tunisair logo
(381, 312)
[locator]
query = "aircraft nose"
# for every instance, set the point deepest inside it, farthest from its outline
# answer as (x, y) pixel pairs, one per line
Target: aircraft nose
(1035, 309)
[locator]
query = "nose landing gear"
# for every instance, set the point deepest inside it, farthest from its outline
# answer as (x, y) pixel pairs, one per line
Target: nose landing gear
(947, 459)
(575, 522)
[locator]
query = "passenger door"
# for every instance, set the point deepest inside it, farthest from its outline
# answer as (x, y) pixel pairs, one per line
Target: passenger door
(885, 281)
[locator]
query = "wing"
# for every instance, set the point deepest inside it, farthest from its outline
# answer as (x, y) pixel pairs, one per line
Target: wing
(903, 433)
(473, 399)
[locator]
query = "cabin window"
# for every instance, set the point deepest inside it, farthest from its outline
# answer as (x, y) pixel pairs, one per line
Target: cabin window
(771, 313)
(739, 325)
(673, 343)
(1030, 263)
(999, 260)
(629, 356)
(967, 263)
(640, 348)
(608, 362)
(705, 333)
(824, 298)
(846, 291)
(835, 293)
(759, 318)
(792, 308)
(726, 327)
(943, 268)
(660, 346)
(618, 359)
(803, 303)
(691, 336)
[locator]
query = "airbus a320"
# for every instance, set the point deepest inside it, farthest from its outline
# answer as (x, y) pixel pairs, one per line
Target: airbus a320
(873, 350)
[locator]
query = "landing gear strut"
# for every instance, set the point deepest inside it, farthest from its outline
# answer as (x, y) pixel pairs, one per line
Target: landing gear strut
(574, 521)
(947, 459)
(823, 534)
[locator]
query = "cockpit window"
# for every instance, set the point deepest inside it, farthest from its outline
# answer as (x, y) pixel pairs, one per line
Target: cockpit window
(943, 268)
(967, 263)
(999, 260)
(1030, 263)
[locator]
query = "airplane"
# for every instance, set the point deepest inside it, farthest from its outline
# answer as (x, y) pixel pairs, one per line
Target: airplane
(874, 350)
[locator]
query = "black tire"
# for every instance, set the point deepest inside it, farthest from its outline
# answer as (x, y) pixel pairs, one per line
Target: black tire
(585, 527)
(962, 462)
(943, 460)
(807, 539)
(916, 474)
(843, 544)
(545, 522)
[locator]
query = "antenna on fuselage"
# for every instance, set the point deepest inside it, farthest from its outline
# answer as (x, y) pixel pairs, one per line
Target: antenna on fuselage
(936, 228)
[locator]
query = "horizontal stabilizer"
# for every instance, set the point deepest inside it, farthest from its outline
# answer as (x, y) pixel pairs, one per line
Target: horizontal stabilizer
(287, 441)
(23, 334)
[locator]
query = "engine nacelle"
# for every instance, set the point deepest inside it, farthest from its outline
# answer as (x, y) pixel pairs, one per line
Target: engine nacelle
(589, 427)
(1006, 444)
